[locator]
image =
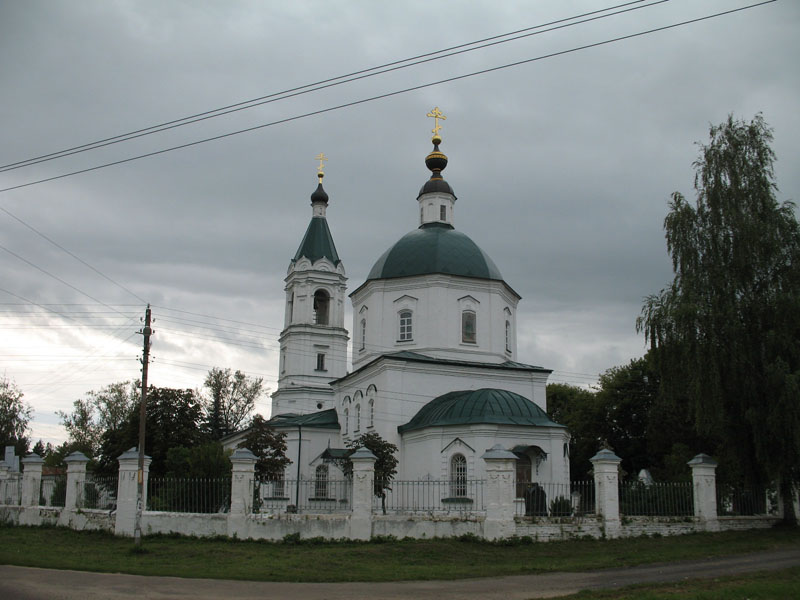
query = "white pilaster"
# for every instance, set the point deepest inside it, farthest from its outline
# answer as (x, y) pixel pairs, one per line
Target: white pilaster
(363, 490)
(31, 479)
(126, 491)
(76, 477)
(704, 490)
(606, 484)
(500, 494)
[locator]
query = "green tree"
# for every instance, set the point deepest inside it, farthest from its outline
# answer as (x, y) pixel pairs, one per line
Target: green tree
(270, 448)
(229, 400)
(725, 332)
(100, 411)
(577, 409)
(385, 463)
(15, 415)
(173, 419)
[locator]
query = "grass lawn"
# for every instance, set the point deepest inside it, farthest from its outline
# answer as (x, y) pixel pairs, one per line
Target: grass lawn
(756, 586)
(59, 548)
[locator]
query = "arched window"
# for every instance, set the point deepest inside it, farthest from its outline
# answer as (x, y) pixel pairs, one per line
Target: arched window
(371, 392)
(291, 308)
(321, 481)
(468, 326)
(406, 331)
(346, 420)
(322, 302)
(458, 476)
(508, 336)
(358, 418)
(363, 334)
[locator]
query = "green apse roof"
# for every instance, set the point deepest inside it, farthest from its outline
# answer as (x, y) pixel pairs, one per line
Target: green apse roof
(486, 405)
(317, 242)
(435, 248)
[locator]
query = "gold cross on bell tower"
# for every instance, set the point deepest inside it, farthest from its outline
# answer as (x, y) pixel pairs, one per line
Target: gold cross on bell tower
(322, 159)
(436, 114)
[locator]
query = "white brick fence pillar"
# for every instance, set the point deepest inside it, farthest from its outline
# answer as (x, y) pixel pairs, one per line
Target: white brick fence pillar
(76, 477)
(31, 479)
(243, 463)
(606, 487)
(126, 491)
(363, 490)
(704, 490)
(500, 471)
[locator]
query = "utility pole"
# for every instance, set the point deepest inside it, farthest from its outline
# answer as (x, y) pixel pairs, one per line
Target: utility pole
(146, 332)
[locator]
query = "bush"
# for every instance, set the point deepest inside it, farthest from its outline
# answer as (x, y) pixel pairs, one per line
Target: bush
(560, 507)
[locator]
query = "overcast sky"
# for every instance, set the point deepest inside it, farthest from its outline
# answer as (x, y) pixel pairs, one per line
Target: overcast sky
(563, 167)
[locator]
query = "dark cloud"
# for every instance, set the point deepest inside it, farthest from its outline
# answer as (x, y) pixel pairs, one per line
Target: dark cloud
(563, 167)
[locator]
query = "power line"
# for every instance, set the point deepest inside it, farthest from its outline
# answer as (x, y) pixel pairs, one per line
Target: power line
(386, 95)
(76, 257)
(26, 261)
(326, 83)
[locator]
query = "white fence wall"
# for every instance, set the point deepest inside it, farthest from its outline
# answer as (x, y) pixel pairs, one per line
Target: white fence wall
(492, 512)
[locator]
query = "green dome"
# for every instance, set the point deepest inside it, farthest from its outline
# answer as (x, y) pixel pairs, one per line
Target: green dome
(486, 405)
(435, 248)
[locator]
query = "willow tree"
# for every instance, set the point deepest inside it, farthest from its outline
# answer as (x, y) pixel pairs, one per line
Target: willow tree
(726, 332)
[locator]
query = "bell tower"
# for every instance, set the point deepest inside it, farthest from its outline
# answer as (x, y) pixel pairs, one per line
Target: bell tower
(313, 343)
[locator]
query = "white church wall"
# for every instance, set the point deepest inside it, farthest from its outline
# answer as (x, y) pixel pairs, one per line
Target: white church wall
(437, 302)
(404, 387)
(305, 451)
(427, 453)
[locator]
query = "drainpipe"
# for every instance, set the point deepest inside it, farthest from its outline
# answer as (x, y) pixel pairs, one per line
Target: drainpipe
(297, 483)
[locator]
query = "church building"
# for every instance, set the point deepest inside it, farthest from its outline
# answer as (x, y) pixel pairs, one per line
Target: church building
(434, 353)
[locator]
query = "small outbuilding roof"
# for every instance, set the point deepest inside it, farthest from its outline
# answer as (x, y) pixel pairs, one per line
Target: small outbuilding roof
(324, 419)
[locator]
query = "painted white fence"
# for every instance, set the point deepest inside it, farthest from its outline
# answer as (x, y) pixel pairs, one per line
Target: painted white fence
(497, 507)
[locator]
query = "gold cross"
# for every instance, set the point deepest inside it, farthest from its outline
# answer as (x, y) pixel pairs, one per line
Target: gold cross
(321, 158)
(436, 114)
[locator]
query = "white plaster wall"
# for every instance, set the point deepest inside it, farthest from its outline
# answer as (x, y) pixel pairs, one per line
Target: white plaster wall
(314, 442)
(301, 387)
(436, 301)
(404, 387)
(427, 453)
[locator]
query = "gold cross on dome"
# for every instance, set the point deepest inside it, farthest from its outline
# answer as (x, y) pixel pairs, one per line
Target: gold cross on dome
(436, 114)
(322, 159)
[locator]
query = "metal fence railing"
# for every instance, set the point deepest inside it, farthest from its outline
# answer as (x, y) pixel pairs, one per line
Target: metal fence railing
(670, 499)
(462, 496)
(11, 491)
(573, 499)
(734, 500)
(53, 490)
(97, 492)
(189, 495)
(302, 495)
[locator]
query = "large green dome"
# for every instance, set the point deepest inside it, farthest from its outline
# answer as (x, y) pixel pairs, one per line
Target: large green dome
(487, 405)
(435, 248)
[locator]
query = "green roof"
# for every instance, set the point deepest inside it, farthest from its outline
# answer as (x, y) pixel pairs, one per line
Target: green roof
(487, 405)
(435, 248)
(317, 242)
(324, 419)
